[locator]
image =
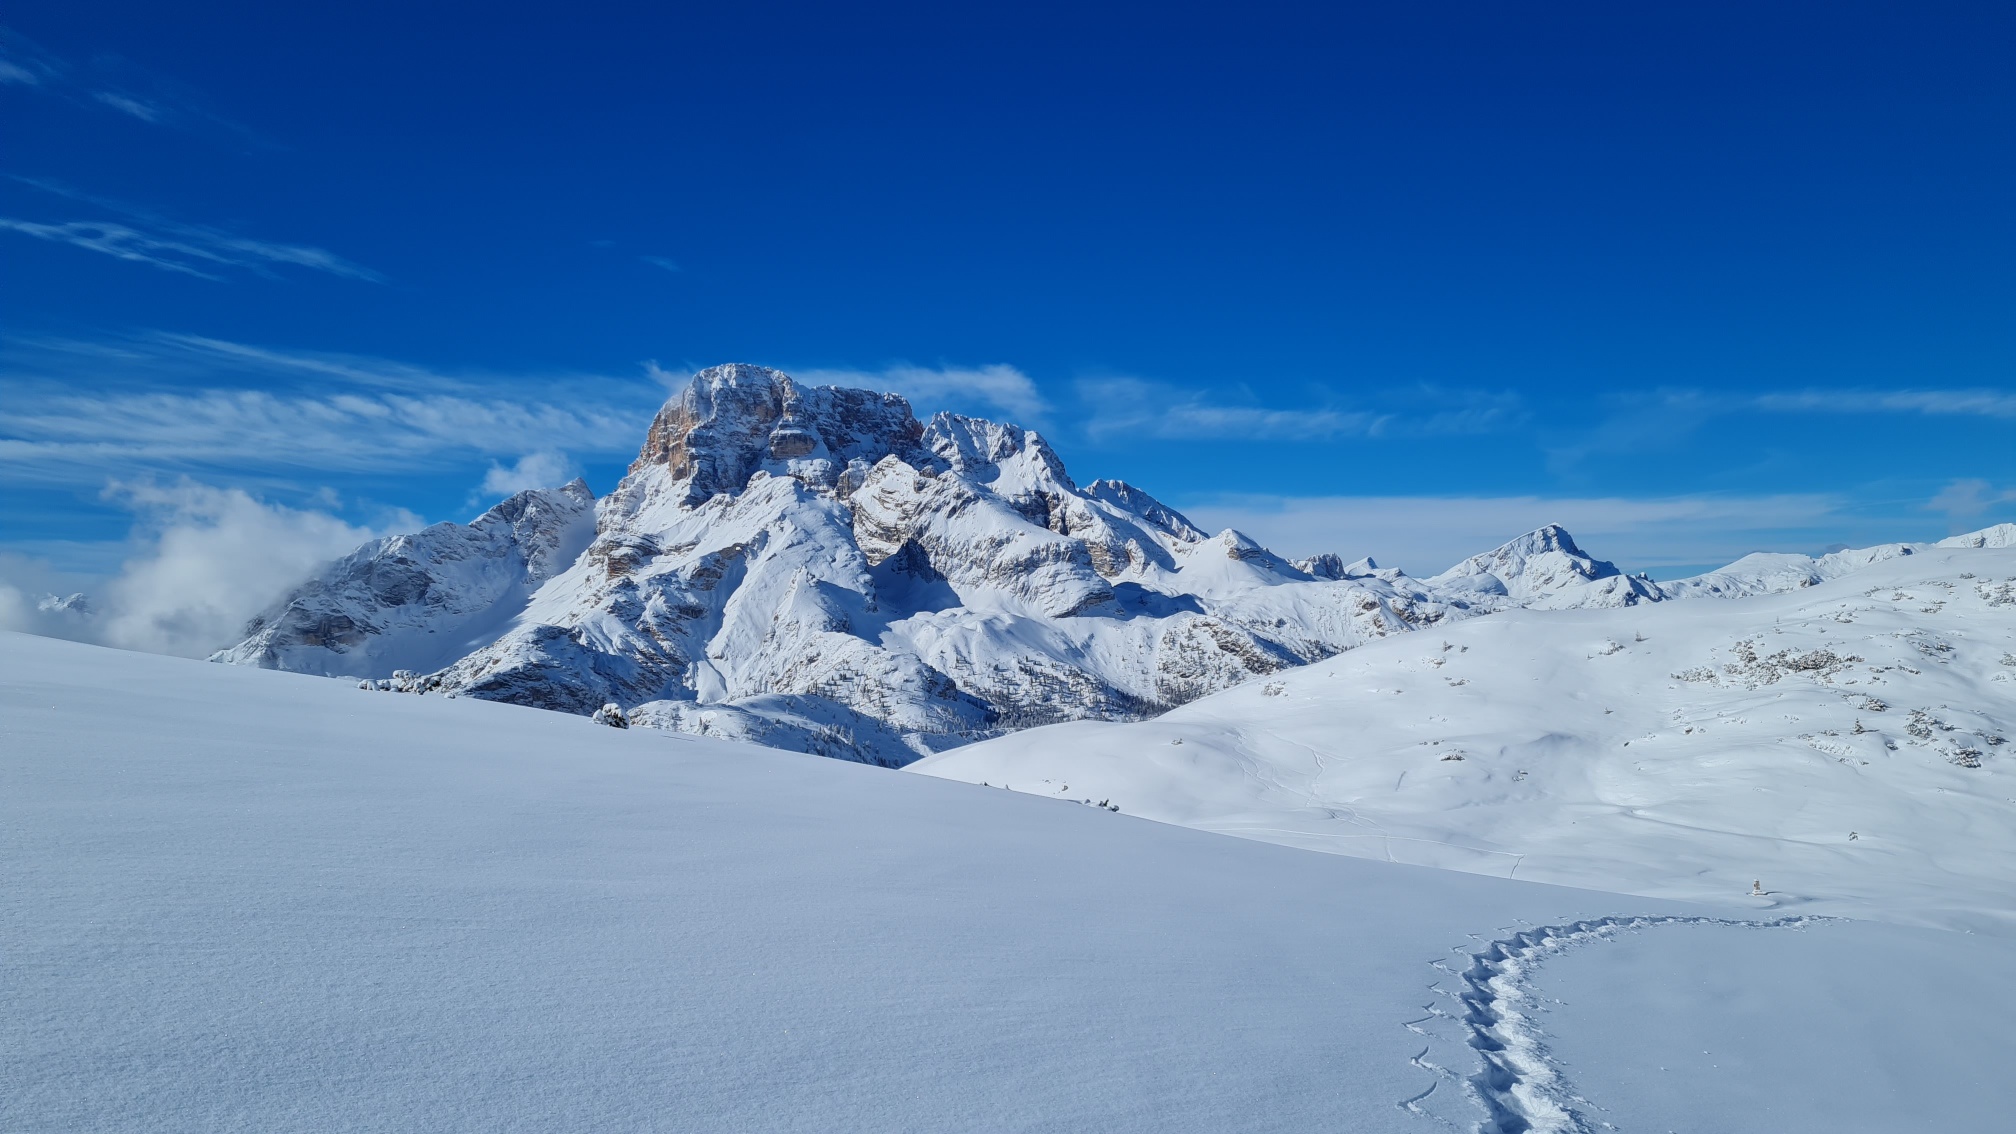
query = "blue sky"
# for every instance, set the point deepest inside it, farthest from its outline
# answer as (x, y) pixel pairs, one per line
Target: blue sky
(1399, 280)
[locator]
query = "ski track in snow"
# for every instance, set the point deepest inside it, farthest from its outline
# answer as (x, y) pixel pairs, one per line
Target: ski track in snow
(1517, 1084)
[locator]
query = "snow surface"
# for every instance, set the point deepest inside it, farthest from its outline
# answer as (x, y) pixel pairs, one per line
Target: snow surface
(1767, 1018)
(1843, 743)
(244, 900)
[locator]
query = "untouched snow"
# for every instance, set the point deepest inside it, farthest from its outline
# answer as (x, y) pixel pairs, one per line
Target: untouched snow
(1843, 743)
(1743, 1011)
(245, 900)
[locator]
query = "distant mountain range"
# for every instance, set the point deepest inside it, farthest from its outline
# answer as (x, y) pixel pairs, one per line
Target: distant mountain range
(813, 568)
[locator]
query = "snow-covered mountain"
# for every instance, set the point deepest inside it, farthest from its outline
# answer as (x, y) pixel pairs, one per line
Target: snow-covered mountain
(1845, 743)
(418, 602)
(815, 569)
(1544, 570)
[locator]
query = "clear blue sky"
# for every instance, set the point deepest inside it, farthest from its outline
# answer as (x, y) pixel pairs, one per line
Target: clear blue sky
(1398, 279)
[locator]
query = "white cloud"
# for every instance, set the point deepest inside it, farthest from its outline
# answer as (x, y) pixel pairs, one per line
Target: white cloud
(1970, 403)
(1426, 534)
(671, 380)
(662, 262)
(997, 388)
(546, 469)
(204, 560)
(187, 249)
(113, 82)
(74, 411)
(133, 106)
(1134, 407)
(23, 63)
(1965, 501)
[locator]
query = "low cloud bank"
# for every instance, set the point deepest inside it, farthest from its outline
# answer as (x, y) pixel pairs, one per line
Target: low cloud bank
(205, 561)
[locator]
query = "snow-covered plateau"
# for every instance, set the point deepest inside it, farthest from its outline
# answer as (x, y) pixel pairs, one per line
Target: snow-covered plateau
(1840, 747)
(243, 900)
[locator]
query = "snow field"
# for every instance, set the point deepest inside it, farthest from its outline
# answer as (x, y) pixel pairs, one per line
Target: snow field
(1844, 744)
(244, 900)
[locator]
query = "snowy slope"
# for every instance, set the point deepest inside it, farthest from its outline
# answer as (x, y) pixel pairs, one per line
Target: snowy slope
(1775, 572)
(813, 568)
(1843, 743)
(248, 900)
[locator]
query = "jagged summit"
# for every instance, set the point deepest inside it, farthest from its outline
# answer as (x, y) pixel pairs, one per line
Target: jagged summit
(734, 420)
(1545, 568)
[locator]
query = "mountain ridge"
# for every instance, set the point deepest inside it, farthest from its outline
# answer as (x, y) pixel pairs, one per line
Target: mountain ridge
(815, 568)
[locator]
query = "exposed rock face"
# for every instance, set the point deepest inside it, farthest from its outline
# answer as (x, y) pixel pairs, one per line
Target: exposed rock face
(734, 420)
(813, 568)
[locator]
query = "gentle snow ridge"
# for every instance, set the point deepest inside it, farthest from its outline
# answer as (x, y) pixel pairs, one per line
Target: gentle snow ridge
(1845, 743)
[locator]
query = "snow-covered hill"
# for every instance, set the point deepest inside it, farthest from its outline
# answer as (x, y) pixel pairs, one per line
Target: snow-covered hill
(813, 568)
(1844, 743)
(246, 900)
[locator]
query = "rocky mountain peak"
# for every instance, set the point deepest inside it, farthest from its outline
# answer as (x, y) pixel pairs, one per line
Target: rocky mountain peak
(1544, 568)
(735, 420)
(1132, 500)
(986, 452)
(1327, 565)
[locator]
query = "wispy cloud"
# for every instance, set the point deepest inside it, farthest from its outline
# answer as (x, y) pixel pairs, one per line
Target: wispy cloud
(996, 388)
(145, 112)
(1965, 501)
(73, 412)
(1426, 534)
(24, 63)
(109, 81)
(196, 250)
(662, 262)
(1970, 403)
(1134, 407)
(544, 469)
